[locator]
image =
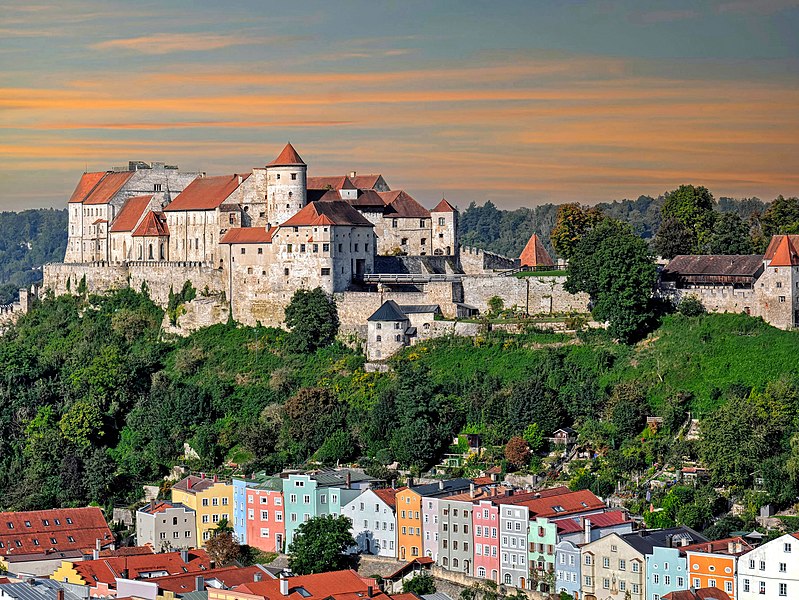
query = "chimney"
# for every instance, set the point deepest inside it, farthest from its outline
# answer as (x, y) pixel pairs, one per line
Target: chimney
(352, 173)
(152, 504)
(441, 484)
(239, 177)
(369, 591)
(471, 490)
(669, 541)
(509, 492)
(349, 480)
(95, 554)
(184, 555)
(199, 583)
(59, 594)
(124, 573)
(284, 585)
(216, 477)
(730, 547)
(410, 481)
(494, 476)
(587, 530)
(97, 544)
(188, 482)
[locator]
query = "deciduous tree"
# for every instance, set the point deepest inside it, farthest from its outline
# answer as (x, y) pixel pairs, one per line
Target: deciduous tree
(319, 545)
(573, 222)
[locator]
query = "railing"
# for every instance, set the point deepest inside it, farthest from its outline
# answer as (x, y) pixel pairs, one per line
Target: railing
(407, 277)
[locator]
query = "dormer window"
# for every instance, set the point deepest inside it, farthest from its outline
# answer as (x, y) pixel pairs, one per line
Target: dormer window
(157, 187)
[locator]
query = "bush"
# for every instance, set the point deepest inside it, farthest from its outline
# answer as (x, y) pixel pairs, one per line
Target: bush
(691, 306)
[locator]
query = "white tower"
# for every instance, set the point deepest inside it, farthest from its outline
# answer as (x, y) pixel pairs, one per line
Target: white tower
(286, 186)
(445, 229)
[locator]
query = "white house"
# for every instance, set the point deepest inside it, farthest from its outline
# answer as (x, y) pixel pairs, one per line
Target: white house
(771, 570)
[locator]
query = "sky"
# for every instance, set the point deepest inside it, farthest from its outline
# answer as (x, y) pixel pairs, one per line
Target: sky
(518, 102)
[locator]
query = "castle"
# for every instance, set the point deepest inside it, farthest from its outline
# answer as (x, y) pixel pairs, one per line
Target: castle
(248, 241)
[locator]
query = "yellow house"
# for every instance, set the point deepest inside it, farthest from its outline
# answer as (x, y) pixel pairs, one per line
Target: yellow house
(211, 500)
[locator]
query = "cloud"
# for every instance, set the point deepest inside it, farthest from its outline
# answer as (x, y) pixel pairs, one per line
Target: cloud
(756, 7)
(663, 16)
(168, 43)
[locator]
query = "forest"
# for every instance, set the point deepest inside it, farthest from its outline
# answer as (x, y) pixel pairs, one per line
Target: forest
(96, 402)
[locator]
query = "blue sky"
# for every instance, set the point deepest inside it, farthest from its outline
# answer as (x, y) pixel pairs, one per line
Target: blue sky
(518, 102)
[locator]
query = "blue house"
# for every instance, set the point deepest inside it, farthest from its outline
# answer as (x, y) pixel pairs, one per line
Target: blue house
(666, 571)
(567, 568)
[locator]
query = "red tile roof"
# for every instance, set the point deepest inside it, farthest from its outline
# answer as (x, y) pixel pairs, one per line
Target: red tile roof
(365, 182)
(152, 225)
(127, 551)
(739, 546)
(193, 484)
(559, 504)
(131, 212)
(388, 495)
(483, 480)
(400, 204)
(324, 195)
(785, 254)
(248, 235)
(154, 508)
(20, 531)
(775, 242)
(405, 596)
(288, 157)
(534, 254)
(106, 570)
(444, 206)
(206, 193)
(698, 594)
(606, 519)
(85, 186)
(338, 585)
(108, 187)
(228, 576)
(337, 212)
(330, 183)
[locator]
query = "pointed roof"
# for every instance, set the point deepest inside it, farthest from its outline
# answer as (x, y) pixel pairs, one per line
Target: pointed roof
(129, 216)
(341, 182)
(335, 212)
(288, 157)
(776, 240)
(207, 193)
(388, 311)
(444, 206)
(108, 187)
(401, 204)
(534, 254)
(785, 254)
(153, 225)
(85, 186)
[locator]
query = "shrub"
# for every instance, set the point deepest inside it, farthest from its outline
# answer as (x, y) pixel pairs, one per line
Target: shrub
(691, 306)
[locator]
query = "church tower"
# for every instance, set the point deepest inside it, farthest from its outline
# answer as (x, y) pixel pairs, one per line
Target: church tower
(286, 186)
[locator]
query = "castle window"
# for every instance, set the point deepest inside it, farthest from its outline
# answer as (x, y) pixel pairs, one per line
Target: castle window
(356, 247)
(399, 338)
(366, 247)
(289, 248)
(249, 270)
(340, 246)
(396, 325)
(278, 175)
(379, 326)
(231, 219)
(421, 222)
(394, 222)
(296, 229)
(404, 242)
(441, 220)
(325, 247)
(260, 250)
(325, 271)
(424, 241)
(244, 250)
(441, 236)
(290, 195)
(157, 187)
(286, 271)
(302, 247)
(379, 338)
(316, 247)
(782, 298)
(779, 284)
(150, 252)
(293, 178)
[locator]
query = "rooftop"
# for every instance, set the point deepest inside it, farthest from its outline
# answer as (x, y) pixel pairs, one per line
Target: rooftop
(206, 193)
(248, 235)
(336, 212)
(388, 311)
(62, 529)
(288, 157)
(335, 585)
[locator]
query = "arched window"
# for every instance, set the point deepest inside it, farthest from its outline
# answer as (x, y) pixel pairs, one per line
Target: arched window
(445, 561)
(399, 338)
(141, 252)
(481, 572)
(379, 338)
(150, 252)
(508, 578)
(161, 253)
(455, 563)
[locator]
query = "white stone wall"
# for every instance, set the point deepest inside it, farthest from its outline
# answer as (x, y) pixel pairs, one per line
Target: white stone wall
(385, 338)
(444, 233)
(535, 295)
(286, 192)
(416, 233)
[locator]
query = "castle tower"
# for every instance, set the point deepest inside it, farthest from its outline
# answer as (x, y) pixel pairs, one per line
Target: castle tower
(444, 218)
(286, 186)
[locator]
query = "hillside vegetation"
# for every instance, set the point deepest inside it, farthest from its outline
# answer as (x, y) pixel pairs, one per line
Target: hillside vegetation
(94, 402)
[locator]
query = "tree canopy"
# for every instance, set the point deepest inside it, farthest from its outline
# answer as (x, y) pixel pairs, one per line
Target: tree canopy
(573, 222)
(693, 208)
(319, 545)
(312, 318)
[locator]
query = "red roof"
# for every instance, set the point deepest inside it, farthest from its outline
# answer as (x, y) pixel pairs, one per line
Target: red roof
(154, 508)
(606, 519)
(338, 585)
(388, 495)
(444, 206)
(336, 212)
(288, 157)
(206, 193)
(71, 528)
(153, 225)
(400, 204)
(732, 546)
(330, 183)
(193, 484)
(228, 576)
(127, 551)
(131, 212)
(775, 242)
(108, 187)
(534, 254)
(86, 185)
(248, 235)
(365, 182)
(555, 505)
(698, 594)
(483, 480)
(106, 570)
(405, 596)
(785, 254)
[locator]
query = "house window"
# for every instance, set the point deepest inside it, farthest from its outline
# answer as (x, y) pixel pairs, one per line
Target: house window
(783, 568)
(325, 247)
(423, 241)
(762, 587)
(157, 187)
(399, 338)
(421, 222)
(302, 247)
(394, 222)
(379, 338)
(441, 221)
(316, 248)
(244, 250)
(782, 299)
(325, 271)
(260, 250)
(779, 284)
(289, 248)
(786, 547)
(783, 589)
(285, 271)
(231, 219)
(294, 177)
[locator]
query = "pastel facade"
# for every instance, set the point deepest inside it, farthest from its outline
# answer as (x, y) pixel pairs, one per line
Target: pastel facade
(209, 498)
(305, 497)
(265, 525)
(666, 571)
(567, 568)
(430, 521)
(374, 522)
(771, 570)
(456, 545)
(166, 526)
(485, 524)
(715, 564)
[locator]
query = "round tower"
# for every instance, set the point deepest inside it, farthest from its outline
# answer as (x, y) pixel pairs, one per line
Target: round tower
(286, 186)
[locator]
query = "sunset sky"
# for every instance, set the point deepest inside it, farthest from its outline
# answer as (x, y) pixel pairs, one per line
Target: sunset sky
(517, 102)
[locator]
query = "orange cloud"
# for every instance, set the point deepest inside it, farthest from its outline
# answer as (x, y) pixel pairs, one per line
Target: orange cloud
(167, 43)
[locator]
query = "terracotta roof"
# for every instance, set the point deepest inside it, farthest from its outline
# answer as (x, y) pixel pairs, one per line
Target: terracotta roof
(598, 520)
(400, 204)
(560, 504)
(775, 242)
(85, 186)
(131, 212)
(106, 570)
(483, 480)
(335, 213)
(126, 551)
(288, 157)
(734, 265)
(337, 585)
(388, 495)
(698, 594)
(193, 484)
(739, 546)
(206, 193)
(534, 254)
(248, 235)
(98, 221)
(20, 531)
(330, 183)
(785, 255)
(153, 508)
(365, 182)
(108, 187)
(444, 206)
(227, 576)
(421, 561)
(405, 596)
(368, 198)
(153, 225)
(324, 195)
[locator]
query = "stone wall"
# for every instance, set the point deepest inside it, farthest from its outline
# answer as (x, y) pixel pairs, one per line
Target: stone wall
(475, 261)
(533, 295)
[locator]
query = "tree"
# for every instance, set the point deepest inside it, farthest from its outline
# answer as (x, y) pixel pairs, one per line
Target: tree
(495, 305)
(627, 408)
(691, 306)
(319, 545)
(692, 207)
(613, 266)
(223, 548)
(313, 414)
(423, 583)
(672, 239)
(782, 216)
(573, 222)
(534, 437)
(517, 452)
(730, 236)
(312, 318)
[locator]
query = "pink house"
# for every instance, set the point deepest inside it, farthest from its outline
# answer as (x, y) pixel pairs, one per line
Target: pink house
(485, 525)
(266, 529)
